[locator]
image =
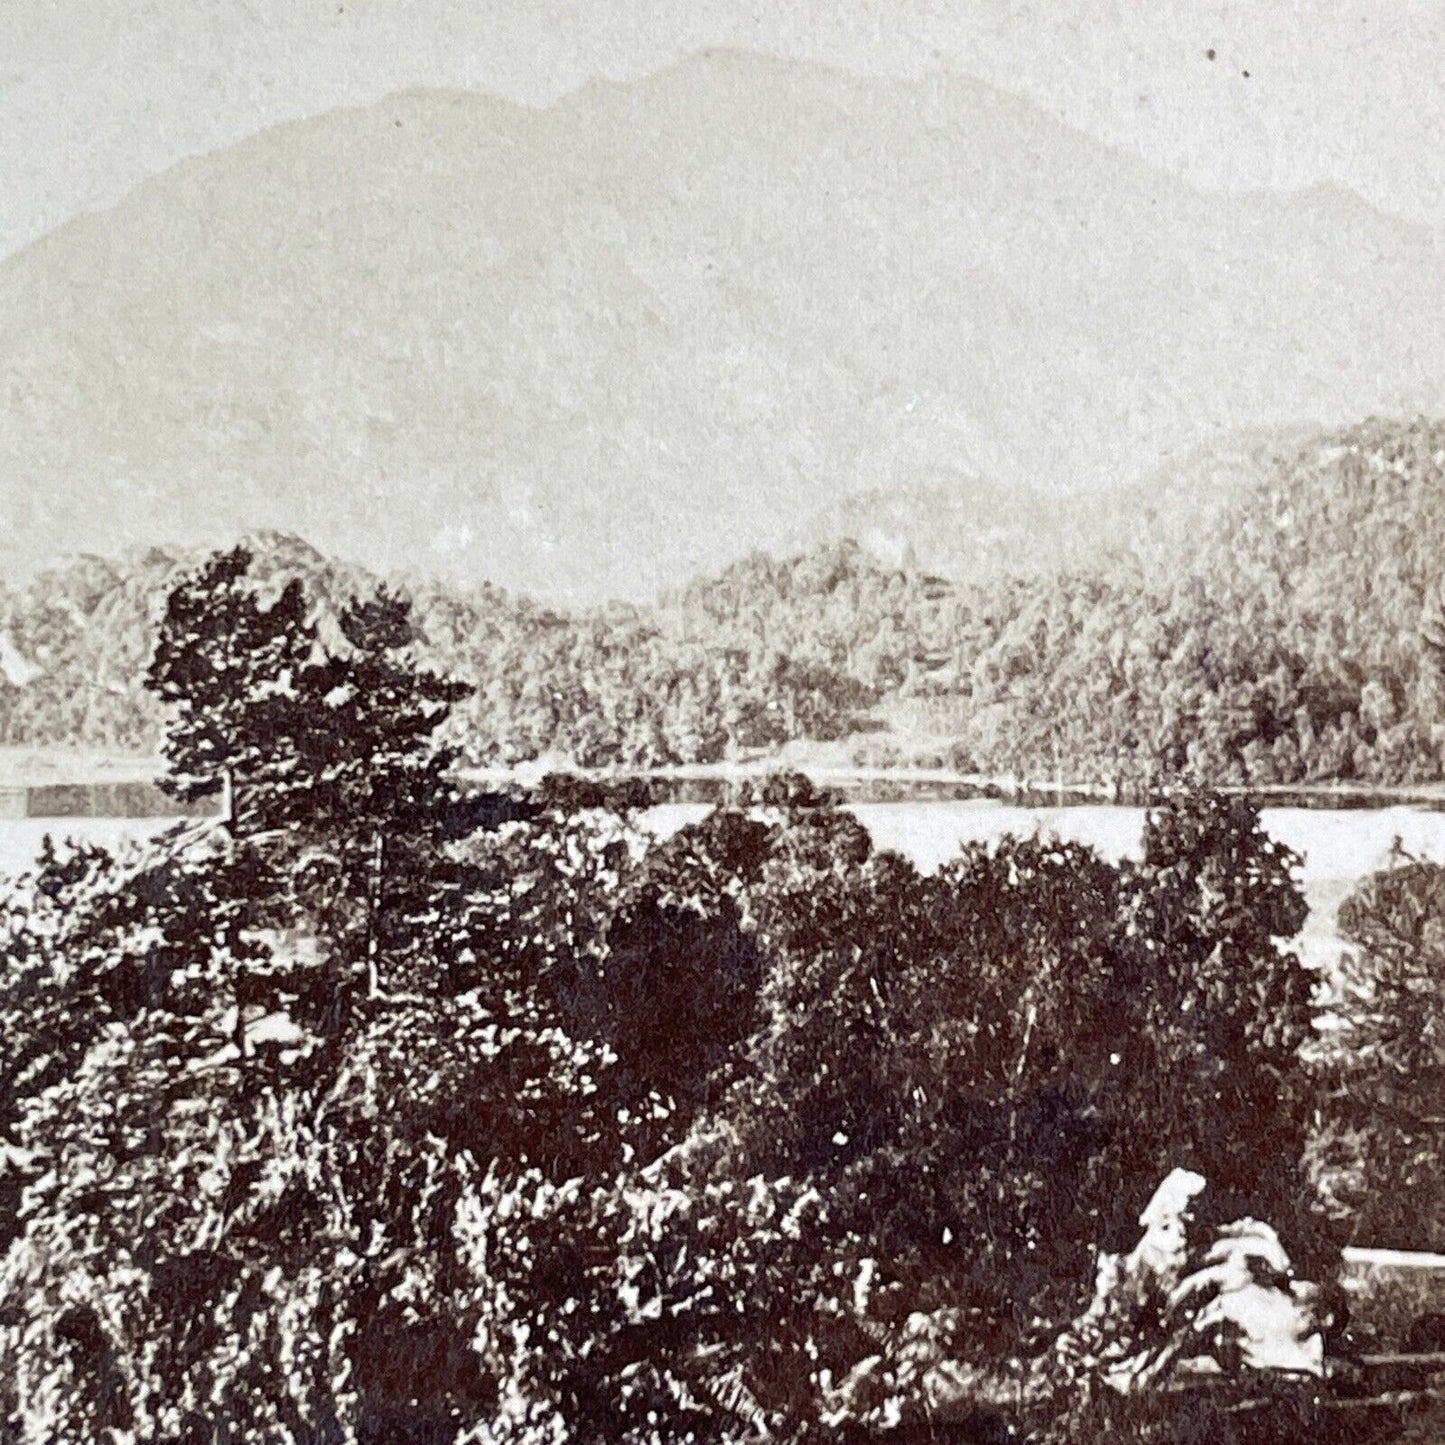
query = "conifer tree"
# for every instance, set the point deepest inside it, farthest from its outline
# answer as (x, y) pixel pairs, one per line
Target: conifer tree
(227, 666)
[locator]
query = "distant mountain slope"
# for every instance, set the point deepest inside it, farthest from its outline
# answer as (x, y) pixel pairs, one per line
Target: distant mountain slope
(972, 530)
(603, 347)
(1300, 637)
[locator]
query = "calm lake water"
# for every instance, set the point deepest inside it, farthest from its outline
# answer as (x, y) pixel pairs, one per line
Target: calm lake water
(20, 839)
(1338, 847)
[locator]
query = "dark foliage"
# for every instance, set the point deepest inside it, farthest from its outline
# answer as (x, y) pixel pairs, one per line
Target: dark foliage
(334, 1120)
(1382, 1138)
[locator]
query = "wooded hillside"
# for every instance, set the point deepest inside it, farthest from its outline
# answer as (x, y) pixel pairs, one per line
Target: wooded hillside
(1299, 636)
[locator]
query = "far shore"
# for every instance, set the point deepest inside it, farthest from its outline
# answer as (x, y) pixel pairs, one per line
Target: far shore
(28, 767)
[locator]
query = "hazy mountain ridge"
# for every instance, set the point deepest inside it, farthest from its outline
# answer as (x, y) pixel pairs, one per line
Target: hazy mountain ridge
(605, 346)
(969, 529)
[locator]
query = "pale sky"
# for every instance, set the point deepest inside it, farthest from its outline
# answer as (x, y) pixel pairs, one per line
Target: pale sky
(97, 94)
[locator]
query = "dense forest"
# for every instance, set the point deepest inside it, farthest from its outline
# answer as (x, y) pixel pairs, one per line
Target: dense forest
(376, 1111)
(1298, 637)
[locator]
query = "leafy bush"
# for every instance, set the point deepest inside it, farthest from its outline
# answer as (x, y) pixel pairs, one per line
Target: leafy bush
(1381, 1144)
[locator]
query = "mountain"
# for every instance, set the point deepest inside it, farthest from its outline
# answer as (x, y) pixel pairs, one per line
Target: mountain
(594, 349)
(972, 530)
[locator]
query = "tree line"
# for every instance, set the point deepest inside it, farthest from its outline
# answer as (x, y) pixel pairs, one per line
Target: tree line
(1298, 639)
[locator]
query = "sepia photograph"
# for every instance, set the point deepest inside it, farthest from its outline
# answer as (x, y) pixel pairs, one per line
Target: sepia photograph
(722, 725)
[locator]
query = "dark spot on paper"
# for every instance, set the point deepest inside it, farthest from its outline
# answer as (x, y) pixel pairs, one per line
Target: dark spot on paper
(1209, 54)
(1245, 74)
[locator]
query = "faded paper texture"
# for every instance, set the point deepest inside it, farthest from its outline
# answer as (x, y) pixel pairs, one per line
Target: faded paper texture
(721, 724)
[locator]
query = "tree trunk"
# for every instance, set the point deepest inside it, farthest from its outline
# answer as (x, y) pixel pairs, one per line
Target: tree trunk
(373, 981)
(240, 1032)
